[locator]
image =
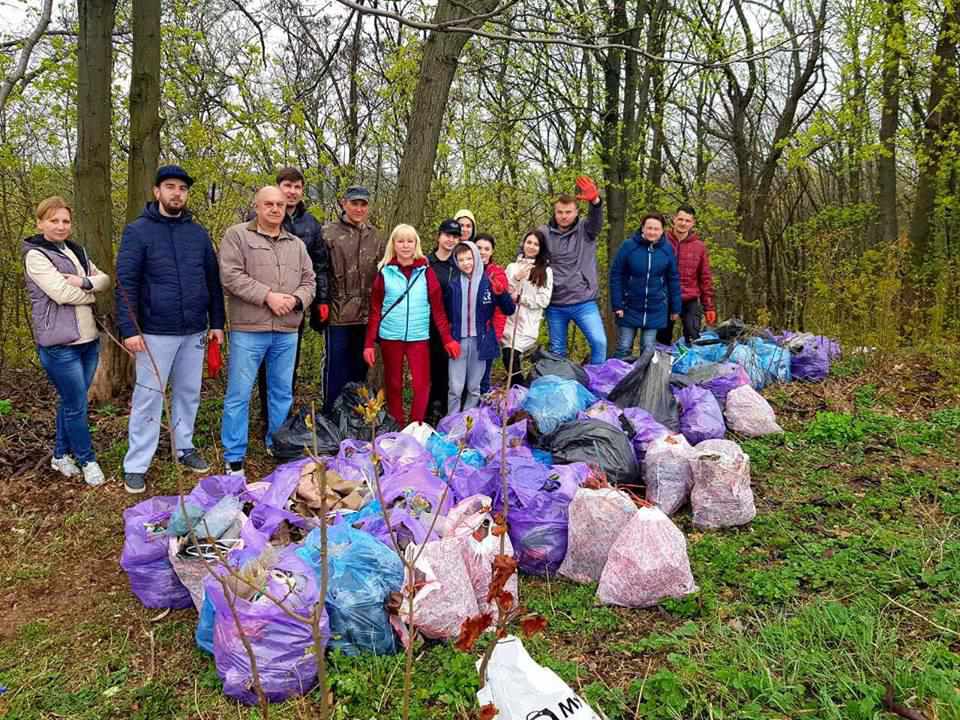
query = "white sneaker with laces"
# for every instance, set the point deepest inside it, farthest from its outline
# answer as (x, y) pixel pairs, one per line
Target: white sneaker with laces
(93, 475)
(65, 466)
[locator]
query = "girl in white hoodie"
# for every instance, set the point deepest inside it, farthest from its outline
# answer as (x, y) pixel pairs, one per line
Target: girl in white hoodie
(531, 285)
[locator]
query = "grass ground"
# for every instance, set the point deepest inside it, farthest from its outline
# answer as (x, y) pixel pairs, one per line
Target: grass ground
(845, 588)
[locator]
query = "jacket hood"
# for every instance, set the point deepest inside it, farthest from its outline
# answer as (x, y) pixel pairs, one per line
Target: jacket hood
(151, 211)
(691, 237)
(556, 228)
(478, 269)
(467, 214)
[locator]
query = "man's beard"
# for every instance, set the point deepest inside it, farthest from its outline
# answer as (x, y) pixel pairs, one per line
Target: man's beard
(171, 210)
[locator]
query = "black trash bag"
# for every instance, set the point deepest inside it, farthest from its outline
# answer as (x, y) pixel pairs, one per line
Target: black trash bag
(647, 386)
(351, 423)
(546, 363)
(595, 442)
(296, 434)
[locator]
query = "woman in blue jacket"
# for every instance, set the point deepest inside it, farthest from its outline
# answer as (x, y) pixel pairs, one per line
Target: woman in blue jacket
(644, 285)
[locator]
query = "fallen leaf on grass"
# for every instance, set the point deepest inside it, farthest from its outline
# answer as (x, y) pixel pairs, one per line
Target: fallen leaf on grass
(533, 624)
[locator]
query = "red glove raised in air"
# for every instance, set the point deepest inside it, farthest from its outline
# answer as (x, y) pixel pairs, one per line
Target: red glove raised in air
(711, 317)
(588, 189)
(369, 356)
(453, 349)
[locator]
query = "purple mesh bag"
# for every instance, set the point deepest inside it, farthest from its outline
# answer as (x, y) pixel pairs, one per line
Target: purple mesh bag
(144, 557)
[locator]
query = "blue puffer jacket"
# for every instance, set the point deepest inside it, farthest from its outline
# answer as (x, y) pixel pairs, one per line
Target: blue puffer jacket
(488, 347)
(644, 283)
(167, 270)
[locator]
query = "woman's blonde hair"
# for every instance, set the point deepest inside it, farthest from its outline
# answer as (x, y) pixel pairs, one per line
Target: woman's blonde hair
(401, 230)
(51, 205)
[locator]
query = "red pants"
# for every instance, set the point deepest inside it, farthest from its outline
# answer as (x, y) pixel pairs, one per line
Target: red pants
(418, 358)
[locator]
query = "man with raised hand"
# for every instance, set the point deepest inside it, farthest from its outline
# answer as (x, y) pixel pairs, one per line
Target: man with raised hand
(572, 241)
(696, 280)
(354, 247)
(269, 279)
(168, 300)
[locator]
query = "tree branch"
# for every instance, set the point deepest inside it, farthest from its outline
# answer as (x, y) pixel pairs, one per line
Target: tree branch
(20, 71)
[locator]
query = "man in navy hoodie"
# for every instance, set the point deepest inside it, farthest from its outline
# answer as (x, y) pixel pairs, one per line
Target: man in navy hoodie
(168, 295)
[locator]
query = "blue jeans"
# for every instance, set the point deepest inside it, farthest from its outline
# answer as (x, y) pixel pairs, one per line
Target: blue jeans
(586, 315)
(70, 369)
(625, 336)
(247, 351)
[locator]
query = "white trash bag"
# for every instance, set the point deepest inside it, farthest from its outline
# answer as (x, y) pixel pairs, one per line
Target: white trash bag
(596, 518)
(668, 473)
(722, 496)
(748, 413)
(521, 689)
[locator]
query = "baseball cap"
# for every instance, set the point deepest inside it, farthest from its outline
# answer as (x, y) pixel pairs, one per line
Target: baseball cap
(450, 227)
(357, 192)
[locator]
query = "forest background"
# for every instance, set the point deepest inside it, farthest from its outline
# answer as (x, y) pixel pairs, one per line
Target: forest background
(818, 140)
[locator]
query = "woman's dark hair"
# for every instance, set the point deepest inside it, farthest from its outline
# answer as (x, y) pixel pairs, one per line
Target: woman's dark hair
(653, 216)
(538, 273)
(488, 237)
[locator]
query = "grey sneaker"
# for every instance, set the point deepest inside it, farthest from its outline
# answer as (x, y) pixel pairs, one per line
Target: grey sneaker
(193, 460)
(134, 483)
(92, 474)
(65, 466)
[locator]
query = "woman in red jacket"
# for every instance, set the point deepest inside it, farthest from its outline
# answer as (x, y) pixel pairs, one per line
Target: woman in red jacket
(404, 300)
(486, 244)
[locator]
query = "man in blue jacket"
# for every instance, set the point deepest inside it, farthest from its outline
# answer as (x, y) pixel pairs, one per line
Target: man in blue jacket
(168, 294)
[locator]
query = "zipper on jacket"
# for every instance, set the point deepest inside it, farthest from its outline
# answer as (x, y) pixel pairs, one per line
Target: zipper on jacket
(176, 261)
(646, 285)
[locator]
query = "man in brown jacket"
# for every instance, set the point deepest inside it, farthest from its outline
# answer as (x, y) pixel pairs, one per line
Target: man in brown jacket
(269, 280)
(355, 247)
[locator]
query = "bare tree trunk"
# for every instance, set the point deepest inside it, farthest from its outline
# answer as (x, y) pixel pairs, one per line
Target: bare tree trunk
(887, 162)
(941, 120)
(144, 106)
(441, 55)
(92, 183)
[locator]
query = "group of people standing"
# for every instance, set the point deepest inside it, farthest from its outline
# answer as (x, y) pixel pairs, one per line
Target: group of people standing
(449, 314)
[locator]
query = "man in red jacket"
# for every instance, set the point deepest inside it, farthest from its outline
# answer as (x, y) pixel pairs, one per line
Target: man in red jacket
(696, 282)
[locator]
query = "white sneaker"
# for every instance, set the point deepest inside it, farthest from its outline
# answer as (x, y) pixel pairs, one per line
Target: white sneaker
(93, 475)
(65, 466)
(236, 469)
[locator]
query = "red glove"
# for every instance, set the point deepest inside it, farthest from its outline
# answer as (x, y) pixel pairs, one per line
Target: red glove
(588, 189)
(323, 312)
(453, 349)
(369, 356)
(711, 317)
(214, 358)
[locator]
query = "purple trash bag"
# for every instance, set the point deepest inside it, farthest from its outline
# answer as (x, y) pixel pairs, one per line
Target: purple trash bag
(603, 410)
(487, 437)
(263, 523)
(604, 377)
(668, 472)
(812, 362)
(722, 496)
(720, 379)
(748, 413)
(537, 519)
(454, 427)
(354, 462)
(283, 647)
(513, 399)
(596, 518)
(647, 430)
(397, 449)
(144, 557)
(283, 483)
(647, 563)
(406, 528)
(419, 490)
(571, 477)
(467, 480)
(700, 415)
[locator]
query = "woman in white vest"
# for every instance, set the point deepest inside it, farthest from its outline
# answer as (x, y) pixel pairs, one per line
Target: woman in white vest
(405, 298)
(531, 286)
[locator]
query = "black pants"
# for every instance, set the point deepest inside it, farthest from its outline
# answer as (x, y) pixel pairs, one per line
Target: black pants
(262, 379)
(515, 377)
(343, 360)
(690, 315)
(439, 380)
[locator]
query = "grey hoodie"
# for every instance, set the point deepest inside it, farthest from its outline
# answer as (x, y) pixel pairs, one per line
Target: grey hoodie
(469, 286)
(573, 257)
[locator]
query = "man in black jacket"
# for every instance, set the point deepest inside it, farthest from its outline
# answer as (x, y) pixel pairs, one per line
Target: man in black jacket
(300, 222)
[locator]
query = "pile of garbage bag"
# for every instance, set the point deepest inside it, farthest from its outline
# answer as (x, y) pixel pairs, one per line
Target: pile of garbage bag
(577, 475)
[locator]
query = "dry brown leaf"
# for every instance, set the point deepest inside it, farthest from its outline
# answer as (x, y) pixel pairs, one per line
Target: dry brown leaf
(503, 567)
(471, 629)
(532, 624)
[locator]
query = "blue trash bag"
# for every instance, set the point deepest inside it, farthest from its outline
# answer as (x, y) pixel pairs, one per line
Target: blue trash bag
(441, 450)
(204, 633)
(765, 362)
(553, 401)
(688, 357)
(362, 572)
(544, 457)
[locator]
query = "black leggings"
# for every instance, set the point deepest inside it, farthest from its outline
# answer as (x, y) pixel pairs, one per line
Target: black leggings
(516, 377)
